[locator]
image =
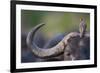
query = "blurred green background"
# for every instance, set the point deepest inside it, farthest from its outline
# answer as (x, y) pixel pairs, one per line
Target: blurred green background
(56, 22)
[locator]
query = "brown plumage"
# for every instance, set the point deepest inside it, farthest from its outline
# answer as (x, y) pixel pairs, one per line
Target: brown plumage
(82, 27)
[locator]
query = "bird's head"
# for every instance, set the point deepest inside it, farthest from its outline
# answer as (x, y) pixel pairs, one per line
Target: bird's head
(81, 19)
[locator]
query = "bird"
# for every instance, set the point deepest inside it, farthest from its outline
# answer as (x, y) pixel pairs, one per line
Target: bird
(82, 27)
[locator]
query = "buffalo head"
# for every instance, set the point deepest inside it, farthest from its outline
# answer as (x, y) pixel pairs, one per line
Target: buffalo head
(69, 47)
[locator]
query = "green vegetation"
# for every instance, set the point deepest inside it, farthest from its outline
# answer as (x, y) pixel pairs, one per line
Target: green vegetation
(56, 22)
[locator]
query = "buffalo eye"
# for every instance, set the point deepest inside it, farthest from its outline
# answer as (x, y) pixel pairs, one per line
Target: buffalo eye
(68, 54)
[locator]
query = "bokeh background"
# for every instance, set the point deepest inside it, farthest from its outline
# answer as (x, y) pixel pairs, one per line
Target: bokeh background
(57, 23)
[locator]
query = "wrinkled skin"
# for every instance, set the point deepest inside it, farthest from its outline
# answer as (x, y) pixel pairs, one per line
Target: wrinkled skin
(76, 51)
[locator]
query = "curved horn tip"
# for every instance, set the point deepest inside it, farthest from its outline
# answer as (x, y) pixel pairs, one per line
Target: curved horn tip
(41, 24)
